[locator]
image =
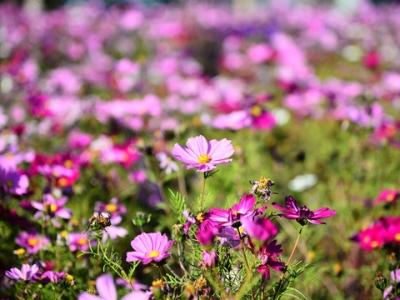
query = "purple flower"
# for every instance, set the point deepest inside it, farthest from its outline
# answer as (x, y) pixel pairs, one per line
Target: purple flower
(32, 242)
(395, 277)
(106, 289)
(25, 274)
(149, 247)
(303, 214)
(114, 207)
(14, 182)
(51, 208)
(202, 154)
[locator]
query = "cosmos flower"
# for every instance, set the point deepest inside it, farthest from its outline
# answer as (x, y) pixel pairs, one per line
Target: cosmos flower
(25, 274)
(260, 228)
(387, 196)
(149, 247)
(32, 242)
(114, 207)
(202, 154)
(106, 288)
(78, 241)
(268, 256)
(51, 208)
(303, 214)
(13, 182)
(209, 258)
(166, 163)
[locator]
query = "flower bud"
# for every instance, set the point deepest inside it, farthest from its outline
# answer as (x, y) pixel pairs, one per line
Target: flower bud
(380, 281)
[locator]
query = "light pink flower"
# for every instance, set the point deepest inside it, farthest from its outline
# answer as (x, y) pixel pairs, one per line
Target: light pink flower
(149, 247)
(203, 154)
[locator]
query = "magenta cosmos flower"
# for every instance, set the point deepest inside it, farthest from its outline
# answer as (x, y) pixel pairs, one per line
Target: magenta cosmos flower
(202, 154)
(149, 247)
(303, 214)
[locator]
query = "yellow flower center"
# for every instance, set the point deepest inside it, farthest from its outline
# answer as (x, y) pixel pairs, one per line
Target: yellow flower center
(82, 241)
(204, 158)
(397, 237)
(20, 251)
(64, 234)
(69, 277)
(9, 155)
(391, 197)
(199, 217)
(256, 111)
(9, 183)
(263, 182)
(153, 254)
(157, 283)
(374, 244)
(68, 163)
(111, 207)
(62, 182)
(53, 207)
(32, 242)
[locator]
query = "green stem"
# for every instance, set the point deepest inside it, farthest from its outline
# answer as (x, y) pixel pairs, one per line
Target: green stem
(202, 192)
(246, 262)
(116, 267)
(288, 262)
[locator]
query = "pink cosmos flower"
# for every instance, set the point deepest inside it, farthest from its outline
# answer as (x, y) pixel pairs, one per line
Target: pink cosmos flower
(106, 288)
(78, 241)
(114, 207)
(25, 274)
(260, 228)
(149, 247)
(303, 214)
(203, 154)
(32, 242)
(387, 196)
(209, 258)
(51, 208)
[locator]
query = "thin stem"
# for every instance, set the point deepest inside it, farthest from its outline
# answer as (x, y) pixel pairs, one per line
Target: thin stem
(182, 262)
(288, 262)
(115, 266)
(245, 260)
(202, 192)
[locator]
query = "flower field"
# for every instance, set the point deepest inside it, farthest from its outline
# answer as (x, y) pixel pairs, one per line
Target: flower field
(199, 151)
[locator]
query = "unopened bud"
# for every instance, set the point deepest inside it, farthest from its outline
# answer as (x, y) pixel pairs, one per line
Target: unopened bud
(380, 281)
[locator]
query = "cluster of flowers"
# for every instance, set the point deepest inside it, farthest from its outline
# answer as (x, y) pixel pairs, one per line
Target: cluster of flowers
(240, 227)
(144, 74)
(225, 101)
(384, 232)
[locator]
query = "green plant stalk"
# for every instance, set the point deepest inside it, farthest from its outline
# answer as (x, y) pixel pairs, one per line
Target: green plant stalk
(202, 192)
(247, 264)
(288, 262)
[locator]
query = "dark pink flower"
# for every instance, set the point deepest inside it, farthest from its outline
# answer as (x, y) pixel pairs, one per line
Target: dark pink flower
(268, 256)
(202, 154)
(149, 247)
(260, 228)
(303, 214)
(387, 196)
